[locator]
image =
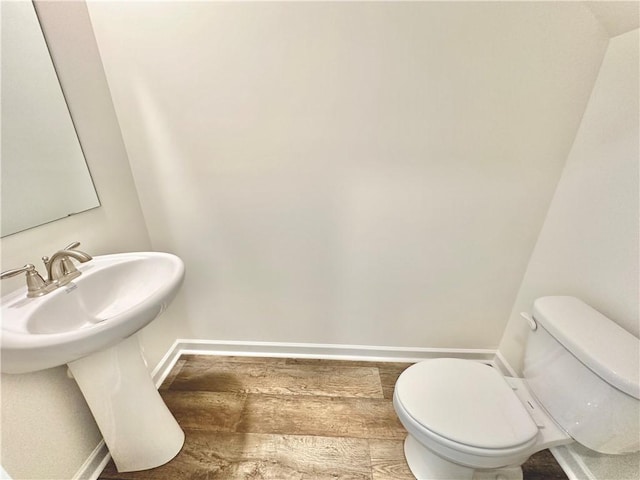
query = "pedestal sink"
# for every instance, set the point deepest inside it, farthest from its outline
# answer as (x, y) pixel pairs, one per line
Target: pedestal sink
(90, 325)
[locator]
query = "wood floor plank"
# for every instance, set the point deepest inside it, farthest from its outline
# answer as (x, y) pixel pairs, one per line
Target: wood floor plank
(316, 457)
(387, 460)
(233, 456)
(208, 374)
(175, 371)
(234, 359)
(324, 416)
(211, 456)
(212, 411)
(543, 466)
(389, 373)
(331, 362)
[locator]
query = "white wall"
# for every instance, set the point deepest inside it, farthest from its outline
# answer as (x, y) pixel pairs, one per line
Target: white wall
(357, 173)
(588, 246)
(47, 429)
(348, 173)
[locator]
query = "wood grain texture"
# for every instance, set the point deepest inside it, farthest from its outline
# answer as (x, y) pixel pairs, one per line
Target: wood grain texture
(279, 419)
(387, 460)
(389, 373)
(260, 376)
(326, 416)
(236, 456)
(213, 411)
(172, 374)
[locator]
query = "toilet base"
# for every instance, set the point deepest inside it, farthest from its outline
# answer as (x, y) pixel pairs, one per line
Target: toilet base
(426, 465)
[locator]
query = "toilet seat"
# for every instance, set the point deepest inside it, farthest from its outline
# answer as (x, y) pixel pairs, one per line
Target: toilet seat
(472, 410)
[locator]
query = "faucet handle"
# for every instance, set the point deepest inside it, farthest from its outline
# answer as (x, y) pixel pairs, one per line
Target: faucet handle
(17, 271)
(36, 286)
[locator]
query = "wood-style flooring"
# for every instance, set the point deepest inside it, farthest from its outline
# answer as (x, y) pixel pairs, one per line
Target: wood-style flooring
(277, 419)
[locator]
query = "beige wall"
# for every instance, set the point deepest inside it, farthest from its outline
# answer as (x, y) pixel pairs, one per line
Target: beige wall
(588, 246)
(47, 429)
(355, 173)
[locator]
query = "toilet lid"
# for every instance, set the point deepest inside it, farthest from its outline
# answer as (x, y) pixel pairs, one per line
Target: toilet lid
(466, 402)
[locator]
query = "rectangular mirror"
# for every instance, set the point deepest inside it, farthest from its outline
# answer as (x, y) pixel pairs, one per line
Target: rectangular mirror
(44, 175)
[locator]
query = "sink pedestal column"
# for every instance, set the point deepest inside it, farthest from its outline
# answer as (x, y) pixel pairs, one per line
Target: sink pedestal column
(137, 426)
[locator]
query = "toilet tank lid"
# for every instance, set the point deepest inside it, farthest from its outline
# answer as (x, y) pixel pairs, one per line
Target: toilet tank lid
(599, 343)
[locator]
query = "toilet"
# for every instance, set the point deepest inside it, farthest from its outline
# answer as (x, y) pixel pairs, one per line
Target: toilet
(465, 420)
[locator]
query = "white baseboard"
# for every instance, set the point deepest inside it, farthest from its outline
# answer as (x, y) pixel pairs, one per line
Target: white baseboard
(310, 350)
(571, 463)
(504, 366)
(94, 464)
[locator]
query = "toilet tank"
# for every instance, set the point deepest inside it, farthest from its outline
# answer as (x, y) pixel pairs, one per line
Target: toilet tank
(585, 370)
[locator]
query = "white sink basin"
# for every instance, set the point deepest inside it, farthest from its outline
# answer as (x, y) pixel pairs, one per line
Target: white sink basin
(115, 296)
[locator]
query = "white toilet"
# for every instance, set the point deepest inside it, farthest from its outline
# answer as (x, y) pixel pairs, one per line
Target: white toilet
(581, 383)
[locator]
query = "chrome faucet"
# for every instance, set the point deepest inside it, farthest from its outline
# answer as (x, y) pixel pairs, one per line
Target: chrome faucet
(60, 268)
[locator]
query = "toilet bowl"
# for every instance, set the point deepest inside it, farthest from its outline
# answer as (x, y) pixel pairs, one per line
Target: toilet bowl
(465, 420)
(475, 423)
